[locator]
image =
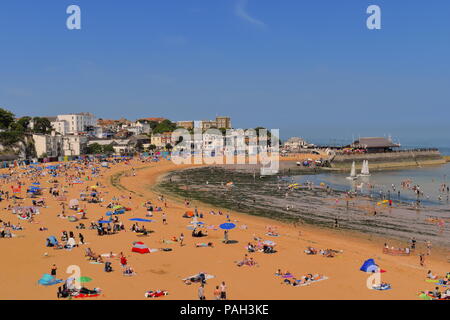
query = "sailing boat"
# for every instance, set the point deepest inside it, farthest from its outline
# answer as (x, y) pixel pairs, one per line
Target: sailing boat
(365, 169)
(352, 172)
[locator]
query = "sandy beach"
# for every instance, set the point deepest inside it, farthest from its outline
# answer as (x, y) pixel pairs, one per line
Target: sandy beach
(26, 258)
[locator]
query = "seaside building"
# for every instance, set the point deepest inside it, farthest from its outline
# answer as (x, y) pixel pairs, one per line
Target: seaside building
(160, 140)
(48, 145)
(219, 123)
(295, 144)
(137, 128)
(158, 120)
(74, 123)
(223, 122)
(208, 124)
(374, 144)
(74, 145)
(186, 124)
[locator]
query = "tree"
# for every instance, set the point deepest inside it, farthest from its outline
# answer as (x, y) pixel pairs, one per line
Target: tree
(94, 148)
(6, 118)
(23, 123)
(169, 147)
(42, 125)
(139, 146)
(152, 147)
(165, 126)
(108, 148)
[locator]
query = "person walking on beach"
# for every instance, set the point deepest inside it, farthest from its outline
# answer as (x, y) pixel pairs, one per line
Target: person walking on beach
(123, 260)
(181, 239)
(225, 236)
(201, 292)
(422, 259)
(217, 293)
(428, 247)
(413, 243)
(223, 291)
(53, 271)
(164, 219)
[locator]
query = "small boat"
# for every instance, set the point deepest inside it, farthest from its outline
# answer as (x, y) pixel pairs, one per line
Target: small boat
(365, 169)
(352, 172)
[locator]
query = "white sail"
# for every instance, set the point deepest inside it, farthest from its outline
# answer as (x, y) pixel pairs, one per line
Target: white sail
(365, 168)
(352, 172)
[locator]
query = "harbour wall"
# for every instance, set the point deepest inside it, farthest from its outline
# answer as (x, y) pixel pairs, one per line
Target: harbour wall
(389, 160)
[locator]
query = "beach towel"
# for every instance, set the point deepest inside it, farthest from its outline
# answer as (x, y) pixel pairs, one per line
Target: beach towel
(156, 293)
(207, 276)
(312, 281)
(382, 287)
(83, 295)
(272, 235)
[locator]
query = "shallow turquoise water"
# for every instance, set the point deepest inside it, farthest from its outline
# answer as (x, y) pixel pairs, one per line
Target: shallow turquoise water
(429, 179)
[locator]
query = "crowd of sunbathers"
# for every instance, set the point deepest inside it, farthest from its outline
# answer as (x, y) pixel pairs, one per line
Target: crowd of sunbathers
(290, 279)
(135, 228)
(437, 294)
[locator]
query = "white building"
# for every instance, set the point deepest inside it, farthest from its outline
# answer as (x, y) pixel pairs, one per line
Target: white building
(48, 145)
(74, 145)
(295, 143)
(75, 123)
(138, 128)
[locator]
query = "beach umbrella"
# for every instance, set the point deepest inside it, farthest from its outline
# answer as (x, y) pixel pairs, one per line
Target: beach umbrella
(104, 221)
(84, 279)
(140, 220)
(269, 243)
(227, 226)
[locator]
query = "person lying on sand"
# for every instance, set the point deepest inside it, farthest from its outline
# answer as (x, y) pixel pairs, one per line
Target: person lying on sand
(247, 262)
(432, 276)
(311, 250)
(205, 245)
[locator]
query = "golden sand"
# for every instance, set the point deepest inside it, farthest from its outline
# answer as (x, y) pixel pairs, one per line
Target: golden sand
(24, 258)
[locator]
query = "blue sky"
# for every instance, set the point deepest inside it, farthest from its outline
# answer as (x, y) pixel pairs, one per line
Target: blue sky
(309, 68)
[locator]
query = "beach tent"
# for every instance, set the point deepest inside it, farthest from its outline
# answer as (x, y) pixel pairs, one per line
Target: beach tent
(369, 266)
(140, 247)
(53, 241)
(48, 280)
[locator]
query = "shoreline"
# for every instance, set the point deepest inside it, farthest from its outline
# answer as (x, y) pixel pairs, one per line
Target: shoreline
(285, 219)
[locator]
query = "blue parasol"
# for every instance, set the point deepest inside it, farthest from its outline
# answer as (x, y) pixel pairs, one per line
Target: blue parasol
(141, 220)
(104, 221)
(227, 226)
